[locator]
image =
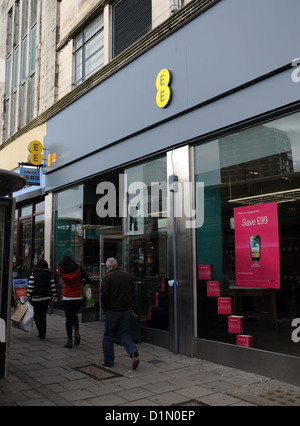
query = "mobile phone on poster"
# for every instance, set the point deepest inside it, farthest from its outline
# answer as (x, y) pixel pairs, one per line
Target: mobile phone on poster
(255, 247)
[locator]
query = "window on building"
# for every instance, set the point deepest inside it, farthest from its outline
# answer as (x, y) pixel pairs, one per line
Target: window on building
(16, 68)
(33, 30)
(176, 4)
(131, 20)
(8, 71)
(243, 178)
(21, 42)
(24, 48)
(88, 50)
(146, 240)
(29, 244)
(68, 228)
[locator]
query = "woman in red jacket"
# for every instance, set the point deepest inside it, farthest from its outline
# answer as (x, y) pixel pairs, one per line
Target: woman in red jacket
(73, 277)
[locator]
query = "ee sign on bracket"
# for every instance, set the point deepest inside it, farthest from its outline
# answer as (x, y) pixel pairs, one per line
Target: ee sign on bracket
(35, 156)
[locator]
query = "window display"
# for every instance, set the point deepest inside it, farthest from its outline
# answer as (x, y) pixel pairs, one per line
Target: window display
(250, 236)
(257, 256)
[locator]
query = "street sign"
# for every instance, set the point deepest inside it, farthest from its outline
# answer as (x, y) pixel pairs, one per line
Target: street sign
(32, 175)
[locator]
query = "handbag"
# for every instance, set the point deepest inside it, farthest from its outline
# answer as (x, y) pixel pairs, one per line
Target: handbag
(19, 313)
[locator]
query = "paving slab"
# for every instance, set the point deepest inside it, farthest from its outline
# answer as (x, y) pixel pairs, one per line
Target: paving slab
(44, 373)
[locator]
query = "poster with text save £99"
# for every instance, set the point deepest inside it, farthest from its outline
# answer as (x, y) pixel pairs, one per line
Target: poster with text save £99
(257, 259)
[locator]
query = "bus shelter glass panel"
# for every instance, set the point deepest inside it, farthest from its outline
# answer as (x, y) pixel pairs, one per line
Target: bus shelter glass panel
(5, 285)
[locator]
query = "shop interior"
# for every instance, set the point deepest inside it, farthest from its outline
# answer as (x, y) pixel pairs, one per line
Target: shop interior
(138, 243)
(272, 177)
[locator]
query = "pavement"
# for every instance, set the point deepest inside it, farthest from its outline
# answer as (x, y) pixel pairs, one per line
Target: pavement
(44, 373)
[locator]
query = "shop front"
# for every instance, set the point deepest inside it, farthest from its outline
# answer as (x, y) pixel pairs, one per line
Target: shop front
(251, 241)
(90, 227)
(230, 136)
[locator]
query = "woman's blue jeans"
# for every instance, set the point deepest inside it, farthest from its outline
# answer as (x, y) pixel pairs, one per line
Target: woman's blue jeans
(116, 324)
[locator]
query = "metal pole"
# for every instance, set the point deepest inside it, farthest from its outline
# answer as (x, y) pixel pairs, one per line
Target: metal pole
(175, 278)
(9, 296)
(173, 184)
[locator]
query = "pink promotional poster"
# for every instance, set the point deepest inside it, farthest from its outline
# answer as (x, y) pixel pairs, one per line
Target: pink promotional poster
(257, 246)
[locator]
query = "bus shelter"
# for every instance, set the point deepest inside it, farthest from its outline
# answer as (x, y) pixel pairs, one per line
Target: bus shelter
(9, 183)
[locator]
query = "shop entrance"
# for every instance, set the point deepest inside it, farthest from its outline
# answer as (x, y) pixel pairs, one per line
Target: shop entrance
(110, 246)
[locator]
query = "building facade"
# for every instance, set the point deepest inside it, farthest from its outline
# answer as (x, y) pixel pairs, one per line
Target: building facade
(125, 94)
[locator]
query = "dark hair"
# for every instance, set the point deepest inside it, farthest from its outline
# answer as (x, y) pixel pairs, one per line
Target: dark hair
(41, 263)
(66, 261)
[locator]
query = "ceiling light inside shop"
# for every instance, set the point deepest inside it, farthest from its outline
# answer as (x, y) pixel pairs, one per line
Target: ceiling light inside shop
(278, 197)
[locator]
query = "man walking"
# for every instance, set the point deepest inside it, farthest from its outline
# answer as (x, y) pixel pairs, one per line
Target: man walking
(117, 295)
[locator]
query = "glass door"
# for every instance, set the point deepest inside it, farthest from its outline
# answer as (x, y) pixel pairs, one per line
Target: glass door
(110, 246)
(25, 255)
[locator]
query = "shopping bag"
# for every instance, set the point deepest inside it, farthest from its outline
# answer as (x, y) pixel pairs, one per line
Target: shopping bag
(88, 297)
(19, 313)
(27, 321)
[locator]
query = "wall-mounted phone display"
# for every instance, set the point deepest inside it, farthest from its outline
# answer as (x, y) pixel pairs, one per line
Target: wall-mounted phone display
(257, 246)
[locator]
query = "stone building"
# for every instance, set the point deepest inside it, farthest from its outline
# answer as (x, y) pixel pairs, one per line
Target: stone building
(103, 101)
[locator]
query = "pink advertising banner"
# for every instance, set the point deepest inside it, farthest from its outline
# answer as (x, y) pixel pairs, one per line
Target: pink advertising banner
(257, 260)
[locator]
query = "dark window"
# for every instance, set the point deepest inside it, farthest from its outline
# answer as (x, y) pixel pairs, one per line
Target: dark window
(131, 20)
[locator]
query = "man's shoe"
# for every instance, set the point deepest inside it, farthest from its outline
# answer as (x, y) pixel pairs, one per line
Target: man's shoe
(135, 359)
(102, 363)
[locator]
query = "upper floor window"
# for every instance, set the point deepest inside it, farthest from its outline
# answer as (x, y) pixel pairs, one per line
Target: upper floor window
(21, 42)
(88, 50)
(131, 20)
(176, 4)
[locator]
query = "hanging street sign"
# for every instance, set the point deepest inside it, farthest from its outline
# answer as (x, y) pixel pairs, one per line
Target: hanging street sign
(32, 175)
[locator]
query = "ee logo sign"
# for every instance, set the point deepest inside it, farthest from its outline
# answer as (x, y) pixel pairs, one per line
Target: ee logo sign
(164, 93)
(36, 153)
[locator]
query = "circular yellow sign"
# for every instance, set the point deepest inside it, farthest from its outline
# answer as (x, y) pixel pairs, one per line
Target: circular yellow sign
(36, 153)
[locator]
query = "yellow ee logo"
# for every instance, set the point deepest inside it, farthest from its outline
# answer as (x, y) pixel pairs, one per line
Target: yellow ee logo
(52, 159)
(164, 93)
(36, 153)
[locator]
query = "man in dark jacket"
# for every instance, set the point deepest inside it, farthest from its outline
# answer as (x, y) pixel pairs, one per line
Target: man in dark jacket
(117, 294)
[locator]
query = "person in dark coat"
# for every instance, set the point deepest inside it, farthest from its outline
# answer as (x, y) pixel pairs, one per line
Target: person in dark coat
(40, 291)
(117, 295)
(73, 277)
